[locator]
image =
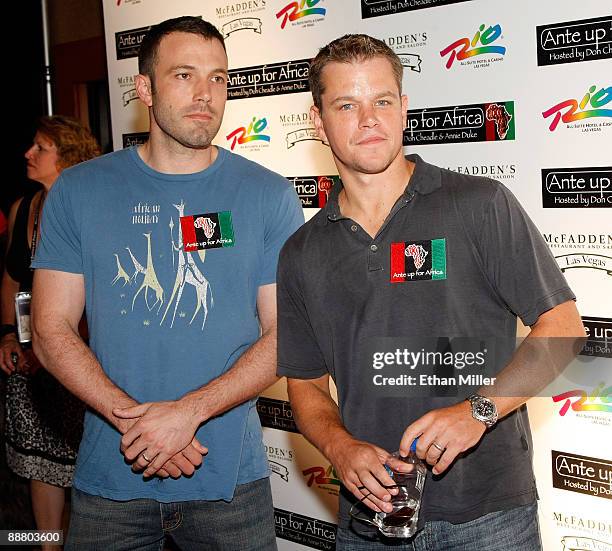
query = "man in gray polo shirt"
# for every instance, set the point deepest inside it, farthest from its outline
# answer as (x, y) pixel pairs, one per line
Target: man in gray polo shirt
(406, 249)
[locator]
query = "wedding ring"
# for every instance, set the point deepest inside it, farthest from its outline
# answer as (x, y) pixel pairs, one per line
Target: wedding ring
(144, 456)
(439, 448)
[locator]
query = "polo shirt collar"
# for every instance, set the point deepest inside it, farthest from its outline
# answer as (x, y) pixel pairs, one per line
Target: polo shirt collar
(425, 179)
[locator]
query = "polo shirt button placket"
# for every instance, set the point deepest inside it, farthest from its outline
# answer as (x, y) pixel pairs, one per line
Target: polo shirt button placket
(374, 264)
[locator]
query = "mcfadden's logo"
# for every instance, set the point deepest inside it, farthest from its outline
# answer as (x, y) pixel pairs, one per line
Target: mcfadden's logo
(127, 83)
(275, 458)
(296, 10)
(252, 133)
(580, 543)
(587, 251)
(305, 128)
(592, 527)
(499, 172)
(464, 48)
(578, 241)
(241, 14)
(403, 46)
(590, 105)
(585, 260)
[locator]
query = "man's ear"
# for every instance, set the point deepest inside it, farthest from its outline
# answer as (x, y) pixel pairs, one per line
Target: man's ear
(144, 89)
(315, 115)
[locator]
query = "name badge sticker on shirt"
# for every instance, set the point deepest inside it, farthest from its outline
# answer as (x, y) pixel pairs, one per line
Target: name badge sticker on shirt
(207, 231)
(418, 260)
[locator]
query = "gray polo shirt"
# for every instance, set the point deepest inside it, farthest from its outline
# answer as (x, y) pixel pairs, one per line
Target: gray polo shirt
(456, 257)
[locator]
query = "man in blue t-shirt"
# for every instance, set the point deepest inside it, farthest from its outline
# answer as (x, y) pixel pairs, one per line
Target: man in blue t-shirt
(171, 248)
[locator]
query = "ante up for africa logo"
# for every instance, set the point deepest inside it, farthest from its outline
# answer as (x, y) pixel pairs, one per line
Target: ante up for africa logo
(254, 132)
(297, 10)
(590, 106)
(464, 48)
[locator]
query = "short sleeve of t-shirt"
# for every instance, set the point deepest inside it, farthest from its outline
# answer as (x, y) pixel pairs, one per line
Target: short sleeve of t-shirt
(517, 260)
(296, 338)
(59, 247)
(281, 219)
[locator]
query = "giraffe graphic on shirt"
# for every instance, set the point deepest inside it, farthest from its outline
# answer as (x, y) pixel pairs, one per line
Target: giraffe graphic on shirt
(187, 272)
(121, 273)
(150, 281)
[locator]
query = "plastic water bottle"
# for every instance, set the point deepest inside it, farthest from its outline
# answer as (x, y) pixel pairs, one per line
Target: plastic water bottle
(402, 521)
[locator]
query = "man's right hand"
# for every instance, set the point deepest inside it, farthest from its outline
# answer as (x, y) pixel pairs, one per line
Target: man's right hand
(182, 463)
(361, 467)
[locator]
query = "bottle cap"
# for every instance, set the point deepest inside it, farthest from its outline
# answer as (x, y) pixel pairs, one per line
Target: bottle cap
(413, 445)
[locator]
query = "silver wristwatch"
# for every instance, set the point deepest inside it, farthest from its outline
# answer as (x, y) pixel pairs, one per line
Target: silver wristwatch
(483, 409)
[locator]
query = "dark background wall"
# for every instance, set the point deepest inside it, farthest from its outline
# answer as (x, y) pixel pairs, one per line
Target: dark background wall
(24, 87)
(78, 71)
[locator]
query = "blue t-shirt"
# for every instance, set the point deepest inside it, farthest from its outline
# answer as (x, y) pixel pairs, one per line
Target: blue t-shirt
(172, 265)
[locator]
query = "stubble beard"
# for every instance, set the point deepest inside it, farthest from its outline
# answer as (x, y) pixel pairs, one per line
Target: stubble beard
(370, 166)
(176, 128)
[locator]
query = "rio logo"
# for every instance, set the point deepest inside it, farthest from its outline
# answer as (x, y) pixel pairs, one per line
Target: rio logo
(570, 110)
(297, 10)
(253, 132)
(320, 476)
(464, 48)
(598, 400)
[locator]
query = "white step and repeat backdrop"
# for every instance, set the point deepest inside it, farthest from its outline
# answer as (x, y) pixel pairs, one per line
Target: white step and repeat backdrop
(519, 91)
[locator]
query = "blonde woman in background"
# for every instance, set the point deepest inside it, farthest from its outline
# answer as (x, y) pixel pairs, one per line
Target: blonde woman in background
(44, 422)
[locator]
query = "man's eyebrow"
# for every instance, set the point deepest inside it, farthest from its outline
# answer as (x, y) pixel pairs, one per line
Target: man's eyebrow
(220, 70)
(194, 68)
(377, 96)
(179, 67)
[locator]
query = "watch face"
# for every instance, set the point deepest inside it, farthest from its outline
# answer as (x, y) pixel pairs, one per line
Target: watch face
(485, 409)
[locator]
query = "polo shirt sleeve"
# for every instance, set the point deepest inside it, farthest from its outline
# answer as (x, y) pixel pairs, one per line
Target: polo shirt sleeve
(517, 260)
(59, 247)
(299, 355)
(283, 216)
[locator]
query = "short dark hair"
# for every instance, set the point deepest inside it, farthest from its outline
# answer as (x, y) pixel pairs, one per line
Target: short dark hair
(347, 49)
(147, 55)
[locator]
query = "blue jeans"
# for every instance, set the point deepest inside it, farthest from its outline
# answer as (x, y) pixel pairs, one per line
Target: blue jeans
(500, 531)
(246, 523)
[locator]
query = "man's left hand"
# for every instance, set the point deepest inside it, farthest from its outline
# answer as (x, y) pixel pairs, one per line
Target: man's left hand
(452, 429)
(162, 430)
